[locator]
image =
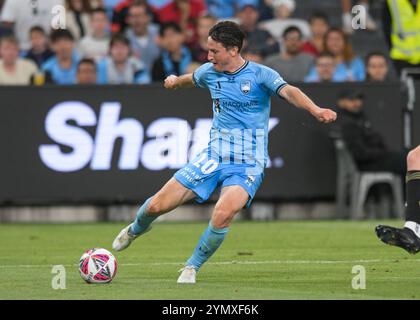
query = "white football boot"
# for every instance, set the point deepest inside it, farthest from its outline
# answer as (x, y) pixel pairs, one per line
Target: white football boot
(188, 275)
(124, 238)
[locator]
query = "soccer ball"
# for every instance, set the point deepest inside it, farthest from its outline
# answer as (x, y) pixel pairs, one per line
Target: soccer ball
(97, 265)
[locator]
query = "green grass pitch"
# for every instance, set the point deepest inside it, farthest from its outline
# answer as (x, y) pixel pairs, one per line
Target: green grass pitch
(258, 260)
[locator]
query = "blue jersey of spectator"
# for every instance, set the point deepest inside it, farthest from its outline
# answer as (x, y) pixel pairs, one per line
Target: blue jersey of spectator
(351, 71)
(60, 75)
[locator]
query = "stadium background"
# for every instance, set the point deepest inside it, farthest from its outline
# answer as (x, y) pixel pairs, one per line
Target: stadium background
(300, 183)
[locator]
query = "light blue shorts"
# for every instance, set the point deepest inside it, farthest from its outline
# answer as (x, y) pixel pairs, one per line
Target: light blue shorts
(203, 177)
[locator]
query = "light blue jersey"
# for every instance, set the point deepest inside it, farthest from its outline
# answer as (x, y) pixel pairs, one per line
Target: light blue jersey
(241, 111)
(237, 152)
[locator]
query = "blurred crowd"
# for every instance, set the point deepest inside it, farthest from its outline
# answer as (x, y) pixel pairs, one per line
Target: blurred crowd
(140, 42)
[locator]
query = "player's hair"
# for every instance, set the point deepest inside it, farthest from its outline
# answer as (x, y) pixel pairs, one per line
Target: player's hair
(229, 34)
(86, 61)
(292, 29)
(169, 25)
(61, 34)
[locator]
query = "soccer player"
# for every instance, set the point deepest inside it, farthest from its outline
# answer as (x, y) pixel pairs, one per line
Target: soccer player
(237, 151)
(408, 237)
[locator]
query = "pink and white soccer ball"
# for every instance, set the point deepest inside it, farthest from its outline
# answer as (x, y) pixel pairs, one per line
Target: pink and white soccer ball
(98, 265)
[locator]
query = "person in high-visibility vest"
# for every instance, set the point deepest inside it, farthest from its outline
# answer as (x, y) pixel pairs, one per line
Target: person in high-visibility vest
(402, 30)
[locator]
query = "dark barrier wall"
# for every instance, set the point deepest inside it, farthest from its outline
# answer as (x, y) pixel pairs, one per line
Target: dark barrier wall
(111, 144)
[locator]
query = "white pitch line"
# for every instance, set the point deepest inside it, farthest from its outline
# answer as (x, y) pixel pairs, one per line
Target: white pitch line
(230, 263)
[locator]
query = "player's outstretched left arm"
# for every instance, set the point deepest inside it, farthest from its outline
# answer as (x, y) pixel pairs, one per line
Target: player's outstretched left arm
(296, 97)
(175, 82)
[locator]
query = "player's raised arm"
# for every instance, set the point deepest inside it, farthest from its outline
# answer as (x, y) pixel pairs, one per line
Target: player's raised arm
(175, 82)
(296, 97)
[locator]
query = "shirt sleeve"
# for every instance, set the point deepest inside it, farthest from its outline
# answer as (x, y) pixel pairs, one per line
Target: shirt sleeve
(271, 80)
(199, 75)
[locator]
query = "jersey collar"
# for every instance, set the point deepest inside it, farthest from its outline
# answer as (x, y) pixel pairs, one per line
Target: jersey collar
(239, 70)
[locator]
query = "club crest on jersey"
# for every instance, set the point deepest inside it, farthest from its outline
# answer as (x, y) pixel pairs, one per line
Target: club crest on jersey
(246, 86)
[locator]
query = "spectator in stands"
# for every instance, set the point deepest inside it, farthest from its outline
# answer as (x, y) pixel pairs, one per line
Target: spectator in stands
(96, 44)
(283, 10)
(20, 17)
(266, 10)
(251, 54)
(120, 15)
(319, 27)
(199, 50)
(109, 6)
(78, 18)
(175, 57)
(292, 64)
(401, 24)
(14, 70)
(367, 146)
(256, 38)
(226, 9)
(347, 16)
(39, 51)
(325, 69)
(120, 67)
(143, 34)
(377, 69)
(62, 68)
(86, 71)
(349, 66)
(182, 12)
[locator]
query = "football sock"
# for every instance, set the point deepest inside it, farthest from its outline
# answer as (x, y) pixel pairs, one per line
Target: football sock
(143, 220)
(210, 240)
(412, 211)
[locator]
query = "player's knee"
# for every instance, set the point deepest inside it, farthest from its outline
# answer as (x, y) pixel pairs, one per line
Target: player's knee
(413, 159)
(155, 206)
(222, 217)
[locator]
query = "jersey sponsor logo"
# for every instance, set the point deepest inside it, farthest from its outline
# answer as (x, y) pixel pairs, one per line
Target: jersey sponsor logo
(239, 105)
(250, 180)
(246, 86)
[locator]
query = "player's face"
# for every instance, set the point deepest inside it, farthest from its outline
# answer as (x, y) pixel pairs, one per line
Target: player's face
(219, 55)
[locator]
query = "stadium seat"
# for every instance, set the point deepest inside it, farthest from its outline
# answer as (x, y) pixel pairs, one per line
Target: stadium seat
(353, 185)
